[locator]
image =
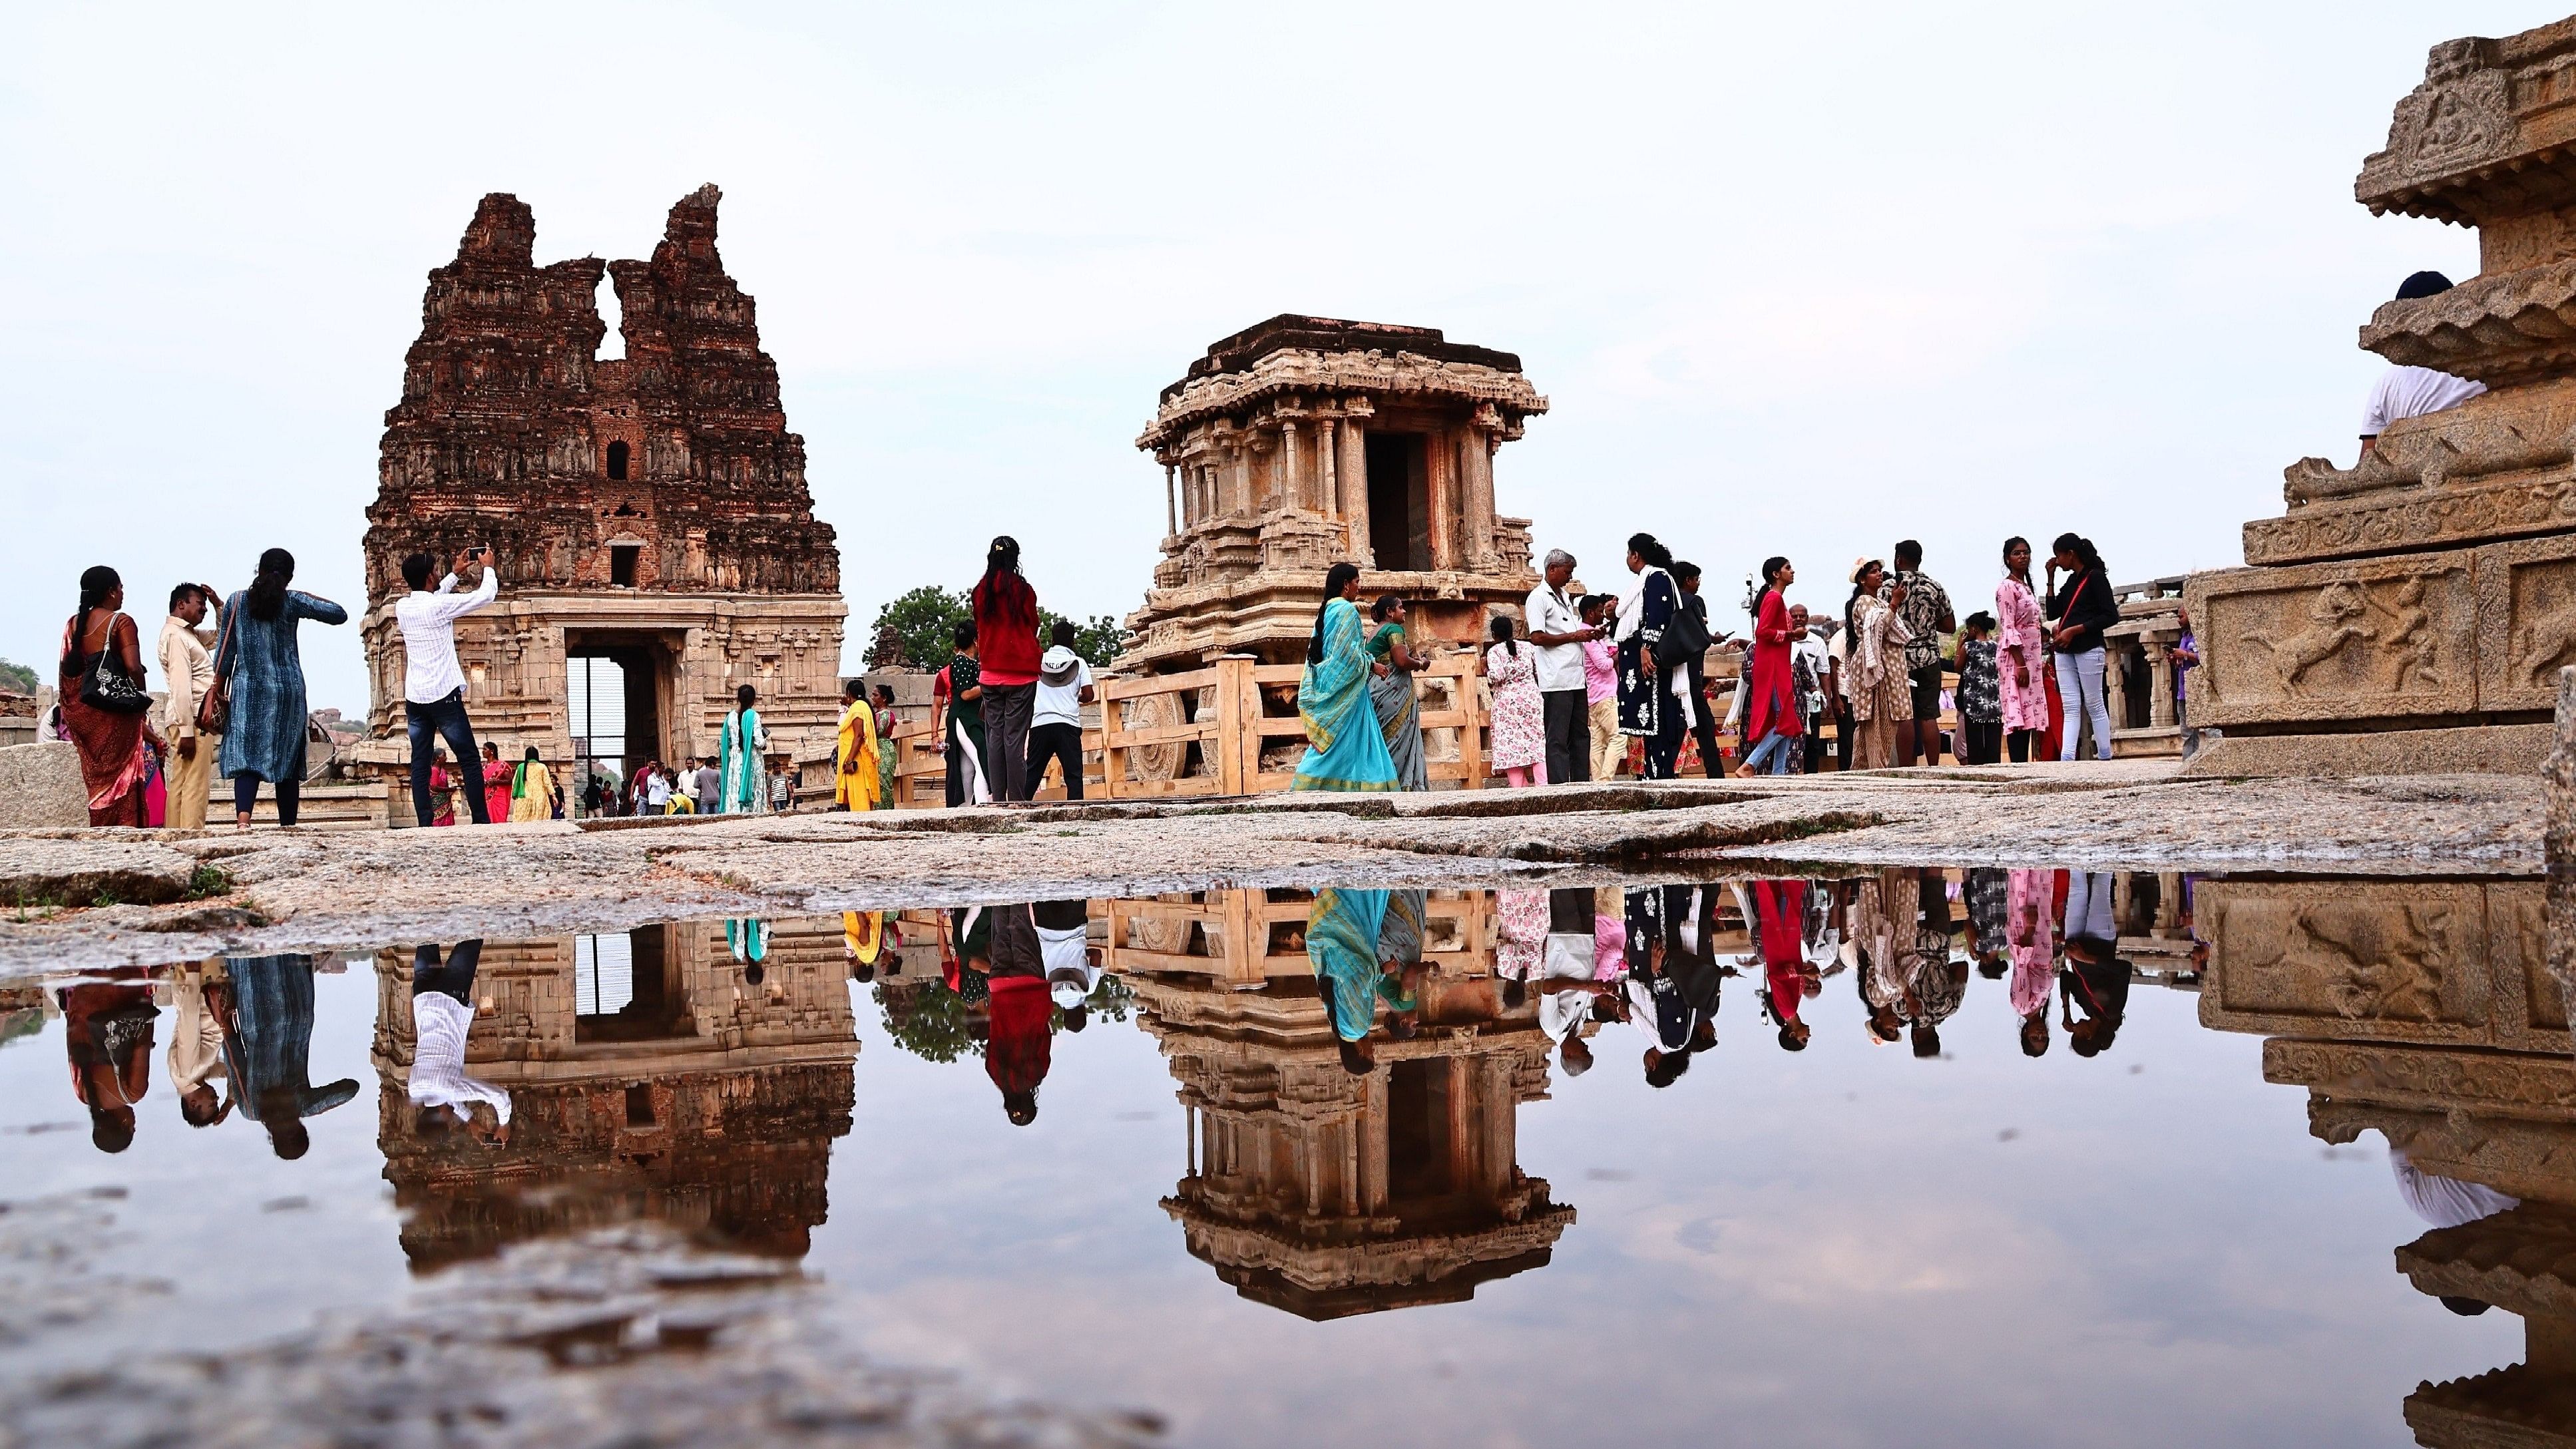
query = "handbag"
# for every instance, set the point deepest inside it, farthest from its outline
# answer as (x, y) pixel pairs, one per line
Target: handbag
(1686, 636)
(215, 706)
(108, 690)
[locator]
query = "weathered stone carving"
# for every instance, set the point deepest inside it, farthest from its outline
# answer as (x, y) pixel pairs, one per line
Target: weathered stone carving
(2483, 143)
(652, 508)
(2425, 962)
(1306, 441)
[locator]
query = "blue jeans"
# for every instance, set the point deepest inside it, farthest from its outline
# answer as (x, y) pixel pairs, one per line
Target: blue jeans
(2079, 683)
(446, 719)
(1771, 757)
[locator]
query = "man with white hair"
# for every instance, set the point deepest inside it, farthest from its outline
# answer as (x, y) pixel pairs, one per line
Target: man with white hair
(1557, 632)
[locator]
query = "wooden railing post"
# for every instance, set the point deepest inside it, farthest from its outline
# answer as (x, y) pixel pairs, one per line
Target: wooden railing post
(1238, 725)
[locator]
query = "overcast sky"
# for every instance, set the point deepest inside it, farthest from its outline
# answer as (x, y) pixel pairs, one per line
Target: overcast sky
(1794, 279)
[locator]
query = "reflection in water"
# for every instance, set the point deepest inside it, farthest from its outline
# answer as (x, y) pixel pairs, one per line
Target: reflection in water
(2425, 1010)
(1352, 1064)
(709, 1097)
(1343, 1162)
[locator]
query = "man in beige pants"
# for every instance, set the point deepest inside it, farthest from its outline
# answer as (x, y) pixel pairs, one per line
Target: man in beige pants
(190, 669)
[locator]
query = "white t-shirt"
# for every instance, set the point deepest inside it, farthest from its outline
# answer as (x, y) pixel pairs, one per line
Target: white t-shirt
(657, 792)
(2445, 1202)
(438, 1078)
(1560, 666)
(1819, 658)
(2412, 392)
(1060, 703)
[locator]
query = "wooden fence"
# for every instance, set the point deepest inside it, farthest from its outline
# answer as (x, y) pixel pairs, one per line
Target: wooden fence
(1244, 937)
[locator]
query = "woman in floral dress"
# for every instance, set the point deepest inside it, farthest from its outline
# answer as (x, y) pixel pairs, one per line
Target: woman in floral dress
(2021, 653)
(1520, 716)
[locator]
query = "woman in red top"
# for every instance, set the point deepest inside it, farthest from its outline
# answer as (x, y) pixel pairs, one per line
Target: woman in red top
(1771, 710)
(496, 782)
(1006, 631)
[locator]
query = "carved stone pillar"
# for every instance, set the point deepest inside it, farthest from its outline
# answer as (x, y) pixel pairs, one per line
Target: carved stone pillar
(1241, 502)
(1441, 462)
(2160, 703)
(2115, 682)
(1171, 500)
(1476, 452)
(1292, 487)
(1355, 504)
(1328, 489)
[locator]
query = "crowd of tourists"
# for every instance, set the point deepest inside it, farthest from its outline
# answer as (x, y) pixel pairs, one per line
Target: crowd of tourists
(234, 707)
(1592, 679)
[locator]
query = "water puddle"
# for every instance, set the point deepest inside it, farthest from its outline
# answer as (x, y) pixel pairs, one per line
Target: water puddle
(1996, 1156)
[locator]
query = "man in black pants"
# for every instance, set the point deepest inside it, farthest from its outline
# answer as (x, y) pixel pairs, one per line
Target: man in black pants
(1703, 722)
(1055, 713)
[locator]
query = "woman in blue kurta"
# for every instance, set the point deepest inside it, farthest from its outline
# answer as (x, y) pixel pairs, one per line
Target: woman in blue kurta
(740, 780)
(264, 732)
(1344, 748)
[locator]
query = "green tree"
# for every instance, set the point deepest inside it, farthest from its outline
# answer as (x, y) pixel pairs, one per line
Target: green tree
(1097, 640)
(924, 624)
(18, 677)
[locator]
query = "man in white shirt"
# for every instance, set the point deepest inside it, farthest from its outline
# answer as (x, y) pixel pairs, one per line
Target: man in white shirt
(1557, 631)
(1811, 664)
(2413, 392)
(433, 687)
(442, 1012)
(189, 668)
(1055, 718)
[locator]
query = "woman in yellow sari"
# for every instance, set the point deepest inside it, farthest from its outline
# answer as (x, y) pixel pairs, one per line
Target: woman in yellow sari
(859, 786)
(532, 790)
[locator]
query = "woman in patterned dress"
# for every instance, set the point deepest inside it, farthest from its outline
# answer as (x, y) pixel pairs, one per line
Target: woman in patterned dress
(1520, 716)
(2021, 653)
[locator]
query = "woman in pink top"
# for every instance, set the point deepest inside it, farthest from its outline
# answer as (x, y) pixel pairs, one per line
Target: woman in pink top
(2030, 927)
(2021, 652)
(1601, 688)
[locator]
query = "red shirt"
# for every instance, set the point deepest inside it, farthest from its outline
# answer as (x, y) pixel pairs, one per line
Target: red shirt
(1006, 629)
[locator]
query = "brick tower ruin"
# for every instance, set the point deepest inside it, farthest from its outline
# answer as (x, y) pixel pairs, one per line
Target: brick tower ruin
(2410, 613)
(656, 542)
(1302, 442)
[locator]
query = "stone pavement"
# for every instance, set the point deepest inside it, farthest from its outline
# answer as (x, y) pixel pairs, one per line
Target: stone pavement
(92, 898)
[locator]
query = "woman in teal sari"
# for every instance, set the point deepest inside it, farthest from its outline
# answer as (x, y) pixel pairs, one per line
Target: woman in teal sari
(740, 780)
(1341, 944)
(1344, 748)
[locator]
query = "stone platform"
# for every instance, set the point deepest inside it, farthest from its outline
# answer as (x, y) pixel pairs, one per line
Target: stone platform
(310, 891)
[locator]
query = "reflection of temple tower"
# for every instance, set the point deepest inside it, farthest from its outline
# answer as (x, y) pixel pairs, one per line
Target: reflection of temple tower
(1301, 442)
(2425, 1010)
(647, 1079)
(1327, 1194)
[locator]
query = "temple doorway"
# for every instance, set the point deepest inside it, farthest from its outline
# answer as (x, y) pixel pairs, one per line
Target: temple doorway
(613, 693)
(1399, 501)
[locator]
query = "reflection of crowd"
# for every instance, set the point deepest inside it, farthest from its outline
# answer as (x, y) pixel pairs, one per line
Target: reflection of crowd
(242, 1039)
(1015, 974)
(1912, 940)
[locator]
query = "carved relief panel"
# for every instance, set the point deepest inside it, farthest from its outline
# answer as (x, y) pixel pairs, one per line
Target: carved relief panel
(2377, 638)
(2444, 963)
(2527, 621)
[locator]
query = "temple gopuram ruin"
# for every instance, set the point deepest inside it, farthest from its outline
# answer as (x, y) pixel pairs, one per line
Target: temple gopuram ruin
(1303, 442)
(656, 541)
(648, 1079)
(2410, 613)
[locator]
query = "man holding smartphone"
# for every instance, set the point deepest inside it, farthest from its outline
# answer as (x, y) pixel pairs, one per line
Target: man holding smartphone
(433, 687)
